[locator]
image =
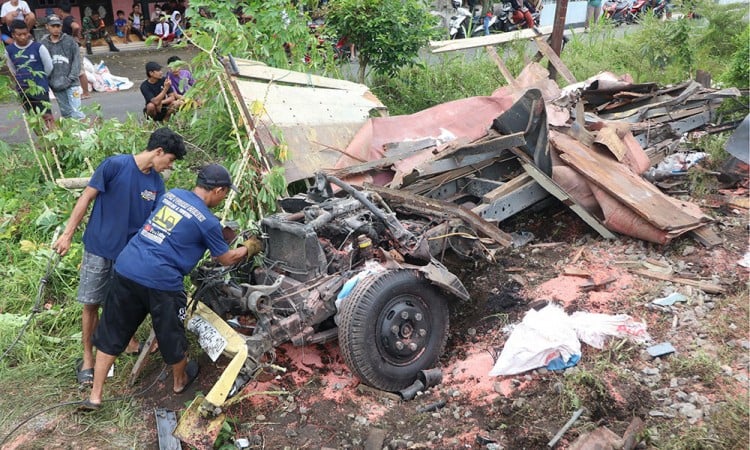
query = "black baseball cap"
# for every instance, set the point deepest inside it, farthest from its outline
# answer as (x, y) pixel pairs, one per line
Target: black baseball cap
(53, 19)
(151, 66)
(215, 175)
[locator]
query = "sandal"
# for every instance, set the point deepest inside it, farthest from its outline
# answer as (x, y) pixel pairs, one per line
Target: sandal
(85, 377)
(191, 370)
(88, 406)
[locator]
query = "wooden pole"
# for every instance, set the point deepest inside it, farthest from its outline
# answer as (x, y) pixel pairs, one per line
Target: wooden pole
(561, 10)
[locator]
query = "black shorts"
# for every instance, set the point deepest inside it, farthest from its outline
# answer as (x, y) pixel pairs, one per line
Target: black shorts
(159, 116)
(127, 305)
(39, 102)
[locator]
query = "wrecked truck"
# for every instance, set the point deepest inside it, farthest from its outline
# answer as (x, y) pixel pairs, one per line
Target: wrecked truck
(333, 267)
(339, 267)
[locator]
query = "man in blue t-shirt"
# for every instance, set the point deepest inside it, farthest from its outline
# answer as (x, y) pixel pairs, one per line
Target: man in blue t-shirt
(124, 190)
(149, 277)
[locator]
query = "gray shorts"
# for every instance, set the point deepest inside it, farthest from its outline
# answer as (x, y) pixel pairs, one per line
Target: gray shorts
(96, 275)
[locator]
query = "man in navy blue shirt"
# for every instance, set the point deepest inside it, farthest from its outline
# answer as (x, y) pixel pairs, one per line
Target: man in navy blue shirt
(149, 277)
(124, 190)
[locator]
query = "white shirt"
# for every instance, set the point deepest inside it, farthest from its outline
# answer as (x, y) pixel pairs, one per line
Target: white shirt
(162, 29)
(8, 8)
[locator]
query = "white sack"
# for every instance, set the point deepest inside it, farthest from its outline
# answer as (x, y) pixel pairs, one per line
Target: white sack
(540, 337)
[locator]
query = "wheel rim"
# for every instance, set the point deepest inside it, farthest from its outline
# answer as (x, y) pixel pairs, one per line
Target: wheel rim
(403, 329)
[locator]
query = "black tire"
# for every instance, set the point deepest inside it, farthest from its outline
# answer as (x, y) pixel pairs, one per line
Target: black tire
(383, 310)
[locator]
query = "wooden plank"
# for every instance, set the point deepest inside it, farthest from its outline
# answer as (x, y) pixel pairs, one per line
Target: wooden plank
(501, 66)
(555, 60)
(259, 71)
(618, 180)
(141, 361)
(550, 186)
(710, 288)
(706, 236)
(482, 41)
(608, 137)
(506, 188)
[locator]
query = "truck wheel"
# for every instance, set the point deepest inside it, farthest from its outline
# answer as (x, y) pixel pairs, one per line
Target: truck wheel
(392, 325)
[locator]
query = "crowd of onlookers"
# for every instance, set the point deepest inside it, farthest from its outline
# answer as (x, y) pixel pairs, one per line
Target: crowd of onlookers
(55, 62)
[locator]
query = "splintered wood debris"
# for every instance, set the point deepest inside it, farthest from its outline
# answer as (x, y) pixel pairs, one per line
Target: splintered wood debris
(477, 161)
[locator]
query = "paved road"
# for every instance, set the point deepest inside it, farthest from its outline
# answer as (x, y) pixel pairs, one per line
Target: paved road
(130, 62)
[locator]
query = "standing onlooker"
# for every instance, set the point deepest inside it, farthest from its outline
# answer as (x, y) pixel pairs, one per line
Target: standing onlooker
(73, 29)
(94, 28)
(179, 76)
(17, 10)
(593, 11)
(124, 190)
(121, 25)
(149, 277)
(161, 100)
(137, 22)
(30, 64)
(66, 65)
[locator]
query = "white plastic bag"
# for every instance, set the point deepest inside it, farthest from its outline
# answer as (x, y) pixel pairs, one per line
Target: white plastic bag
(550, 333)
(594, 329)
(540, 337)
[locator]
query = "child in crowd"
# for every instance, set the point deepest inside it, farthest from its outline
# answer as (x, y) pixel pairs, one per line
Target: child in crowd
(121, 24)
(179, 75)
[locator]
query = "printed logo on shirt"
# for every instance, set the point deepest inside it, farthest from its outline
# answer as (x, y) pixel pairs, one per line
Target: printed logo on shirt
(166, 218)
(148, 195)
(60, 59)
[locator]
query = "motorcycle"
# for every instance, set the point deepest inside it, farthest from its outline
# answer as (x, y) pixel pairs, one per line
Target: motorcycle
(506, 22)
(617, 11)
(464, 23)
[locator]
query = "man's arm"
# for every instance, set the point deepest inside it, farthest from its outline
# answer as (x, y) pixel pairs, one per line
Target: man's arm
(62, 245)
(46, 59)
(75, 62)
(162, 95)
(233, 256)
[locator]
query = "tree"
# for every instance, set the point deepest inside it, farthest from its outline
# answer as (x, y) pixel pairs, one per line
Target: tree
(387, 34)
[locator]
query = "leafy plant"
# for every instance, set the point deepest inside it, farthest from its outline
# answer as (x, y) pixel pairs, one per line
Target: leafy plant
(387, 34)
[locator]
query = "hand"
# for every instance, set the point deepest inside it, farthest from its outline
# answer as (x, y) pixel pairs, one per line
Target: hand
(62, 245)
(253, 246)
(167, 84)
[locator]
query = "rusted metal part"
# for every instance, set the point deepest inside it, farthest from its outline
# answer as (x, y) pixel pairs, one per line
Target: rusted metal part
(445, 209)
(552, 187)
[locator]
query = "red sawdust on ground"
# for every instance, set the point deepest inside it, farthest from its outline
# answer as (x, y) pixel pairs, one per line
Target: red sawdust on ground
(567, 289)
(469, 375)
(338, 384)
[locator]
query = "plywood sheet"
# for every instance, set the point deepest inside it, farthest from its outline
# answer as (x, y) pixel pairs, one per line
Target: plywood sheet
(619, 181)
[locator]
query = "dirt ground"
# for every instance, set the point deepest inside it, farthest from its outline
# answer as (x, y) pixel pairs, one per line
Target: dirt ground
(682, 398)
(317, 404)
